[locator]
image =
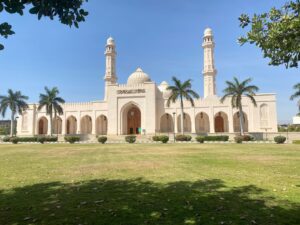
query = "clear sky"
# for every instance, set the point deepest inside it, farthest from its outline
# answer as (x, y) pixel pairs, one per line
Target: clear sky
(162, 37)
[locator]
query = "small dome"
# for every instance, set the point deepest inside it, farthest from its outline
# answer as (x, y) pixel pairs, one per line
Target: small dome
(110, 41)
(138, 77)
(163, 88)
(208, 32)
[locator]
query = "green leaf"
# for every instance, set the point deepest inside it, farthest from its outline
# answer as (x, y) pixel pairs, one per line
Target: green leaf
(1, 47)
(34, 10)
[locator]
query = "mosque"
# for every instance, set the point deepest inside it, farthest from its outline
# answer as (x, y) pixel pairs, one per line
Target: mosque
(139, 107)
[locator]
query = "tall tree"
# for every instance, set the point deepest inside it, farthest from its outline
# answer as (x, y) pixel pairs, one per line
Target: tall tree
(180, 91)
(16, 102)
(52, 102)
(296, 94)
(69, 12)
(236, 90)
(277, 33)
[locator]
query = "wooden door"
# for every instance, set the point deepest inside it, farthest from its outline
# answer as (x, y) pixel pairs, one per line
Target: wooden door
(219, 124)
(133, 121)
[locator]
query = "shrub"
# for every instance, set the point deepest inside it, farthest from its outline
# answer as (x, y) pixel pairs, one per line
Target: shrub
(279, 139)
(181, 137)
(130, 139)
(296, 142)
(164, 139)
(72, 139)
(200, 139)
(14, 140)
(28, 139)
(41, 139)
(102, 139)
(216, 138)
(156, 138)
(248, 138)
(239, 139)
(6, 139)
(51, 139)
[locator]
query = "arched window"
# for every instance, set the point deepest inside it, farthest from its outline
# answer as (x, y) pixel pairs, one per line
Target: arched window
(25, 121)
(264, 119)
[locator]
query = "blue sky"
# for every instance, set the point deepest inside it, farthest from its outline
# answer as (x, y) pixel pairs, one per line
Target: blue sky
(163, 37)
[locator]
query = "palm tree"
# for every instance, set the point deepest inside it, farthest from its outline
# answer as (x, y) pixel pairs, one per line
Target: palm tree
(52, 102)
(181, 90)
(235, 90)
(296, 94)
(16, 102)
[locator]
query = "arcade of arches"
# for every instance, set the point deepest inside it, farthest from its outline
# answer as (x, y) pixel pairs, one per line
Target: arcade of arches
(132, 123)
(202, 123)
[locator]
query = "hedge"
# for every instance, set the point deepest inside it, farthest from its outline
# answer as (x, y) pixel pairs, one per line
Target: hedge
(40, 139)
(296, 142)
(216, 138)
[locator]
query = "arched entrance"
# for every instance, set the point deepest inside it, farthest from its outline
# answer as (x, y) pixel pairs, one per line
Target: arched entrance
(221, 122)
(236, 122)
(187, 127)
(131, 119)
(43, 126)
(202, 123)
(101, 125)
(166, 123)
(71, 125)
(86, 125)
(57, 125)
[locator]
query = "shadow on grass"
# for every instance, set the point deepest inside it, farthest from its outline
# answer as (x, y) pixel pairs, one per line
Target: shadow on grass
(142, 202)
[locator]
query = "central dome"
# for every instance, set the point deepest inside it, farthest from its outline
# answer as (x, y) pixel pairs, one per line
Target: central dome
(138, 77)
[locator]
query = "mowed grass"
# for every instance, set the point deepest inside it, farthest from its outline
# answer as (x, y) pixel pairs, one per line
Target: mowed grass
(150, 184)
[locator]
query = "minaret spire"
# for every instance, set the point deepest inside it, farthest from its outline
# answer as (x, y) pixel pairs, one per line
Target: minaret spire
(110, 69)
(209, 70)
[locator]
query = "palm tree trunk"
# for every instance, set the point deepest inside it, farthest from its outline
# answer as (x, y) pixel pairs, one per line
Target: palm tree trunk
(241, 119)
(51, 124)
(182, 115)
(12, 124)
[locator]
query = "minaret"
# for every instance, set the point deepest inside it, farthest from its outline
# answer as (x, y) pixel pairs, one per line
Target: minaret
(110, 70)
(209, 70)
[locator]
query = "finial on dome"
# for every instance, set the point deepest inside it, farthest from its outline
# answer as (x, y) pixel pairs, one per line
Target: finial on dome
(110, 41)
(139, 69)
(208, 32)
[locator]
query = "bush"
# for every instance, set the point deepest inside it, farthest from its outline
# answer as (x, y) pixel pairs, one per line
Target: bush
(164, 139)
(279, 139)
(102, 139)
(28, 139)
(216, 138)
(181, 137)
(248, 138)
(200, 139)
(51, 139)
(156, 138)
(72, 139)
(4, 131)
(239, 139)
(14, 140)
(41, 139)
(130, 139)
(6, 139)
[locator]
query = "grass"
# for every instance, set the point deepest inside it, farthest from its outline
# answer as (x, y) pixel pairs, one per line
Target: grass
(150, 184)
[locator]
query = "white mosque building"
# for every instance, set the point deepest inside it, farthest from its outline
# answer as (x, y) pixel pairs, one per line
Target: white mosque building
(139, 107)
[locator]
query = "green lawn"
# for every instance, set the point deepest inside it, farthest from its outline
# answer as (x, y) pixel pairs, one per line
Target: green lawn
(150, 184)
